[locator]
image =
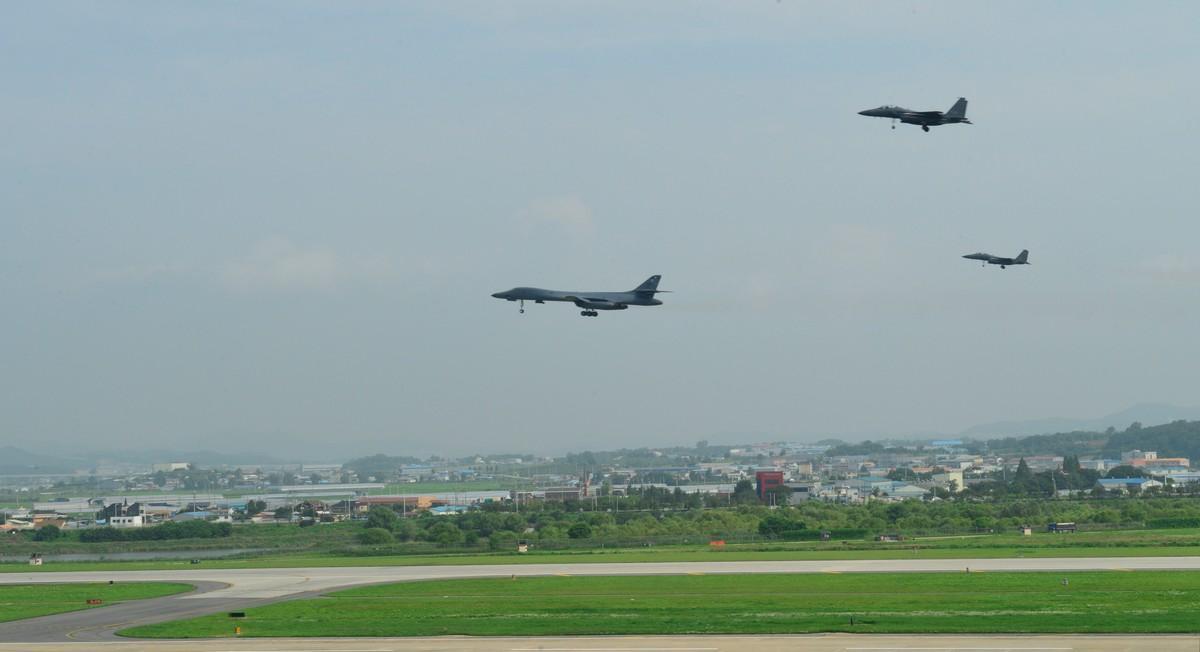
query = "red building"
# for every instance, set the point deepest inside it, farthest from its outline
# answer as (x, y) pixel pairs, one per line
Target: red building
(765, 481)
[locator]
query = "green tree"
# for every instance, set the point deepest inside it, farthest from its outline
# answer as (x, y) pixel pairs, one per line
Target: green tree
(445, 533)
(774, 525)
(1023, 475)
(383, 518)
(47, 533)
(579, 530)
(375, 536)
(1125, 471)
(283, 513)
(744, 494)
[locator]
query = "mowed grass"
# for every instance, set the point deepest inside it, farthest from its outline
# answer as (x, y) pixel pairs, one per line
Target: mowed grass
(19, 601)
(1091, 602)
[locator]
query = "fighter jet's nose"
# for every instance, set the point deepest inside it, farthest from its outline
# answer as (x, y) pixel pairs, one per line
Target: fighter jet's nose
(866, 112)
(497, 295)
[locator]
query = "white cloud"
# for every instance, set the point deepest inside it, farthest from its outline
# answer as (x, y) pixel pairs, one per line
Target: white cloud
(278, 264)
(567, 213)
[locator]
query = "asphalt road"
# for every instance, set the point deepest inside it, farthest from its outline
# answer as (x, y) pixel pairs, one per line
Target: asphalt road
(808, 643)
(234, 589)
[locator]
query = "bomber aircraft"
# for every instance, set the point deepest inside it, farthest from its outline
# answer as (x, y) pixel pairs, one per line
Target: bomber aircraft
(988, 259)
(927, 119)
(591, 302)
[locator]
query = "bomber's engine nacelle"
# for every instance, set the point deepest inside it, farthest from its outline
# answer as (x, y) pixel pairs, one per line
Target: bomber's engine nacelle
(600, 305)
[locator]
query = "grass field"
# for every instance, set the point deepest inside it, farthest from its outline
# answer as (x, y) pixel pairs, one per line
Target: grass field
(1098, 602)
(30, 600)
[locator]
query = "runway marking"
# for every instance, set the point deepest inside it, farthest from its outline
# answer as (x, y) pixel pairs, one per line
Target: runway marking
(611, 649)
(913, 649)
(695, 573)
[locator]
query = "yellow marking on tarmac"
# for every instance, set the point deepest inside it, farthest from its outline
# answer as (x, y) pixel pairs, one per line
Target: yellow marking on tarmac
(563, 574)
(832, 572)
(695, 573)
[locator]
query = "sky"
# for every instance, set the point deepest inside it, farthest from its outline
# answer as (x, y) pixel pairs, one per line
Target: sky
(275, 226)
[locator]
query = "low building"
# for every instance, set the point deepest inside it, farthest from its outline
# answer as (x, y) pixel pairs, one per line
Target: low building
(904, 491)
(126, 521)
(952, 480)
(766, 482)
(1127, 485)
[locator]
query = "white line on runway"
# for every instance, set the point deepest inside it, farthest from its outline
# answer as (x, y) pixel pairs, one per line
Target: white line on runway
(612, 648)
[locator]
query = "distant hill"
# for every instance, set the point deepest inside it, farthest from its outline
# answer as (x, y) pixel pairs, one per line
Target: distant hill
(15, 461)
(1145, 413)
(1178, 439)
(1175, 439)
(203, 458)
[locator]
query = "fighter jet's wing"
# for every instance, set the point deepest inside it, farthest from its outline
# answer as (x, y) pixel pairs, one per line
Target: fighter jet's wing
(930, 114)
(596, 303)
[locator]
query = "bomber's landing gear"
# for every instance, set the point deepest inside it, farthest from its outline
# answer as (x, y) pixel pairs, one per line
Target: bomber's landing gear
(588, 313)
(925, 128)
(522, 306)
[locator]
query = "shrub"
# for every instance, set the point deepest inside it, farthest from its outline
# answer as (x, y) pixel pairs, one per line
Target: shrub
(382, 518)
(1165, 523)
(47, 533)
(375, 536)
(172, 530)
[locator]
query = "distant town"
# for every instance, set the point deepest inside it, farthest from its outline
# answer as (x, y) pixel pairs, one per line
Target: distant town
(771, 474)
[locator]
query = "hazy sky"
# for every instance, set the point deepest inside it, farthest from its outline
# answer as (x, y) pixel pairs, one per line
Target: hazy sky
(257, 225)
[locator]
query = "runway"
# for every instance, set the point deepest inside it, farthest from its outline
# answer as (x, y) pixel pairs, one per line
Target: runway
(236, 589)
(805, 643)
(259, 583)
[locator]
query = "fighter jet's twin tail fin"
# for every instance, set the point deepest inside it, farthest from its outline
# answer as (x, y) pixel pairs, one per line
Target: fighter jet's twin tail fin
(958, 111)
(1022, 258)
(650, 285)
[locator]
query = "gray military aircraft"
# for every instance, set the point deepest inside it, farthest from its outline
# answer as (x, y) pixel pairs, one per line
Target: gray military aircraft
(591, 302)
(927, 119)
(988, 259)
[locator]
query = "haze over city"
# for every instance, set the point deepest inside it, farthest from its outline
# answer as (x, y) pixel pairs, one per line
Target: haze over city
(282, 228)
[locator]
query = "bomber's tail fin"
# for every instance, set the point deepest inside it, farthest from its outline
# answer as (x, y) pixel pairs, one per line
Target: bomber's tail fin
(649, 285)
(959, 110)
(1022, 258)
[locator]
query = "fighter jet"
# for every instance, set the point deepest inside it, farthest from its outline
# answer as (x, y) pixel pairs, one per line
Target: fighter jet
(927, 119)
(988, 259)
(591, 302)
